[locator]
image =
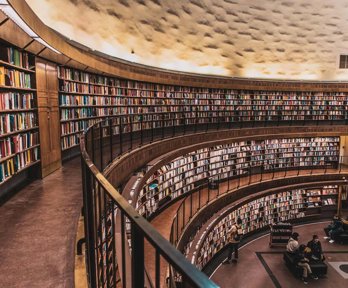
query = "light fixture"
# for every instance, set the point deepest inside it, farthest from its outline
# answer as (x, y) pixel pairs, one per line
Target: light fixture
(43, 42)
(10, 12)
(13, 15)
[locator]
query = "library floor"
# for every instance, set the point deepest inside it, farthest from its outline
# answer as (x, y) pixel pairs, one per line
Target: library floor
(261, 267)
(37, 231)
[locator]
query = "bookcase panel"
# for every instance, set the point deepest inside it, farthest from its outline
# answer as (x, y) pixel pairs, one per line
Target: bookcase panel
(85, 96)
(49, 116)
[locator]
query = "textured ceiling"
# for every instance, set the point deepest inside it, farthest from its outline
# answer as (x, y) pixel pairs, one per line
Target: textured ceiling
(242, 38)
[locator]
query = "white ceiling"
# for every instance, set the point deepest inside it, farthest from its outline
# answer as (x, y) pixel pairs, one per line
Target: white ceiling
(242, 38)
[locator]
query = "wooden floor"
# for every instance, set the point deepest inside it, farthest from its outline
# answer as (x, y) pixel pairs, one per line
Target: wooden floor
(37, 231)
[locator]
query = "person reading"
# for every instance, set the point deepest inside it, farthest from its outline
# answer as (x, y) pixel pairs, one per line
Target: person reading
(316, 249)
(302, 261)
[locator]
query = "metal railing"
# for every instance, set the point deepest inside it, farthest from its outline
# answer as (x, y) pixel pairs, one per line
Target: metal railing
(116, 135)
(118, 239)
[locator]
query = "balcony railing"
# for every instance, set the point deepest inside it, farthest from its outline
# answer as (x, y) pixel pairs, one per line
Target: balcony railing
(117, 237)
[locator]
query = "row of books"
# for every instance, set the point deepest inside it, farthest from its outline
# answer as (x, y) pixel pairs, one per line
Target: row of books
(76, 75)
(73, 74)
(139, 97)
(18, 162)
(18, 143)
(16, 101)
(232, 152)
(180, 175)
(74, 87)
(70, 141)
(75, 126)
(14, 56)
(85, 100)
(16, 122)
(14, 78)
(76, 113)
(194, 106)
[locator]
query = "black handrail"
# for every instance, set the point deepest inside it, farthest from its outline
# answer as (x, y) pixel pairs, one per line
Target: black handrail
(102, 204)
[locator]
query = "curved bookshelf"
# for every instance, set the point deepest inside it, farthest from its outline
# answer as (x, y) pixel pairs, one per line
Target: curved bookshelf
(188, 172)
(257, 214)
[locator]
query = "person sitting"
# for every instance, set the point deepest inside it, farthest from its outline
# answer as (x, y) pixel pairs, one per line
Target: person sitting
(292, 245)
(335, 228)
(302, 261)
(316, 250)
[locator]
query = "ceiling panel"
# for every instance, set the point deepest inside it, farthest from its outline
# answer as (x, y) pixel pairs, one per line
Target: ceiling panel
(264, 39)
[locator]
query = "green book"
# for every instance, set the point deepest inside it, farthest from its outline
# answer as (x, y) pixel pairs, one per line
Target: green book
(16, 57)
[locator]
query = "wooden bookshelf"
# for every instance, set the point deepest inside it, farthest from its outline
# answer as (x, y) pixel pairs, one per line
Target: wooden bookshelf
(279, 233)
(19, 130)
(86, 98)
(222, 162)
(321, 197)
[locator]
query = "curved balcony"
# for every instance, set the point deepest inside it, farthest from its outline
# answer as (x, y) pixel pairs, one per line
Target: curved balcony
(116, 148)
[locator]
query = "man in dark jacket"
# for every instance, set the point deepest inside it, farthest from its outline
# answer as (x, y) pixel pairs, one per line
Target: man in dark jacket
(316, 250)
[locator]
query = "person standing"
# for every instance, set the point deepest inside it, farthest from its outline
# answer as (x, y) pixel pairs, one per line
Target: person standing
(235, 234)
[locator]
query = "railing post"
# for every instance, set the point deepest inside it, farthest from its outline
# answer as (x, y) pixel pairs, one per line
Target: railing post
(131, 131)
(228, 180)
(177, 229)
(92, 141)
(340, 164)
(101, 145)
(141, 128)
(110, 140)
(152, 123)
(123, 252)
(121, 140)
(89, 225)
(137, 257)
(162, 125)
(191, 205)
(183, 215)
(158, 271)
(208, 193)
(199, 197)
